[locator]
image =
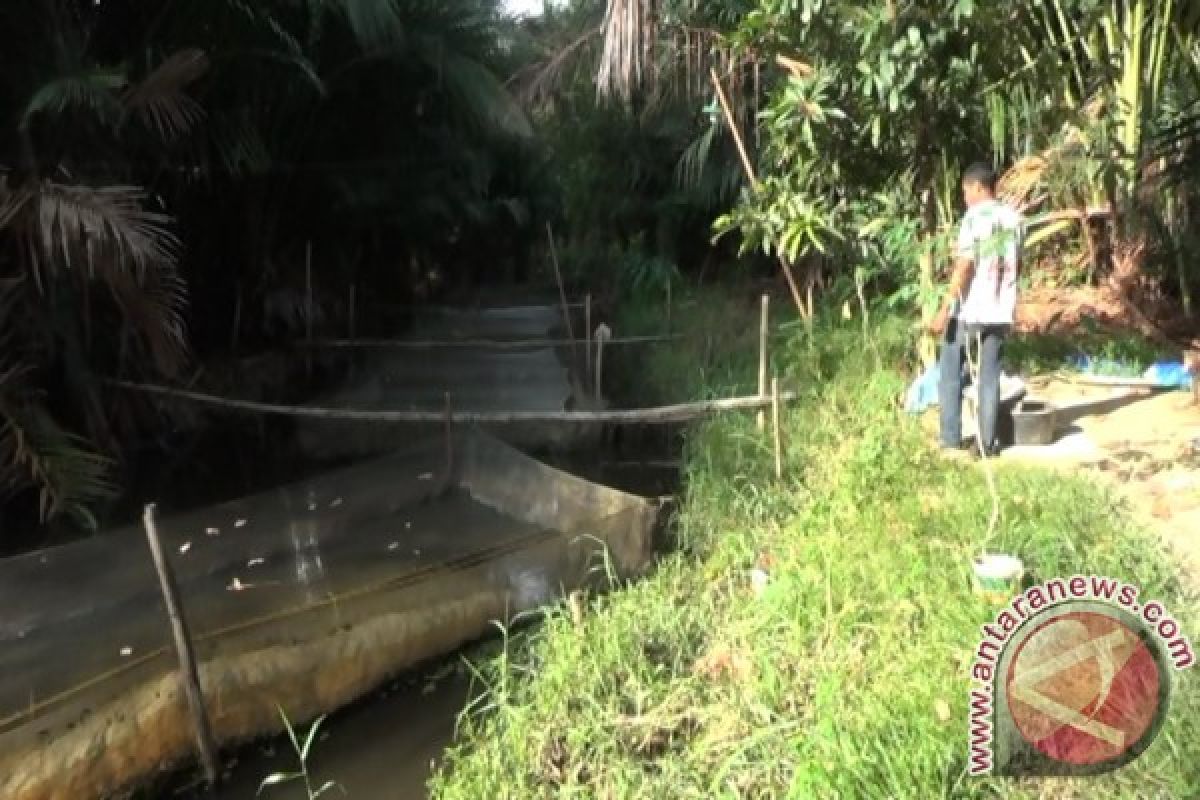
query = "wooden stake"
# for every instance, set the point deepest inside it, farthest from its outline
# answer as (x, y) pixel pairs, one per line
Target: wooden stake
(183, 648)
(763, 325)
(778, 433)
(753, 179)
(602, 334)
(587, 332)
(235, 332)
(562, 295)
(448, 423)
(668, 306)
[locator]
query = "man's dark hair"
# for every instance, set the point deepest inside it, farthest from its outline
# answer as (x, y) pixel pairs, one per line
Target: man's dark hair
(981, 174)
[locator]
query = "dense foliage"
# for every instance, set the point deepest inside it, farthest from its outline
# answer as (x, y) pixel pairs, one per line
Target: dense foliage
(167, 170)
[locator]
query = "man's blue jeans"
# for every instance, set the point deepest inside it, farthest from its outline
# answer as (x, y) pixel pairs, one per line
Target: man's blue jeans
(987, 341)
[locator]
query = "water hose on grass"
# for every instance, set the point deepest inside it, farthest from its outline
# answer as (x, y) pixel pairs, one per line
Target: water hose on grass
(985, 458)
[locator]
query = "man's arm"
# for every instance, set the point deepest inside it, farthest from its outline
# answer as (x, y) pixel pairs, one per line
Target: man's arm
(960, 279)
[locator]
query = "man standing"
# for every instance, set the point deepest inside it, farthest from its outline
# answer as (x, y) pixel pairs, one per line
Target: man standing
(979, 307)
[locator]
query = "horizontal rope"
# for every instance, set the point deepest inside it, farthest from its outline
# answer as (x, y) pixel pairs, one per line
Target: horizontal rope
(480, 344)
(672, 413)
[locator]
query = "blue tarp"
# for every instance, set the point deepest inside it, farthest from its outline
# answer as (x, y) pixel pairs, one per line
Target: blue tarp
(1169, 373)
(923, 392)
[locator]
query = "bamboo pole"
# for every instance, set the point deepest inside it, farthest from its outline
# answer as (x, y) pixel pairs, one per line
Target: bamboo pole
(587, 332)
(672, 413)
(183, 649)
(762, 355)
(308, 303)
(778, 433)
(749, 169)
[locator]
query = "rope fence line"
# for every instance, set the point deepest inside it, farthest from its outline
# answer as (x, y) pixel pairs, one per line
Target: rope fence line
(443, 309)
(678, 412)
(480, 344)
(500, 344)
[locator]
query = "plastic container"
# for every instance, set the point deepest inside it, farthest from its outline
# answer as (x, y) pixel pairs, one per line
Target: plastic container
(1034, 422)
(998, 576)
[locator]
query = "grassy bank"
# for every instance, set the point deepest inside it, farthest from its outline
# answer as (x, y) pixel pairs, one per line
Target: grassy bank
(846, 676)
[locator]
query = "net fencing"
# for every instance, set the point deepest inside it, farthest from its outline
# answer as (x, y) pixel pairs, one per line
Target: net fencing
(303, 597)
(306, 596)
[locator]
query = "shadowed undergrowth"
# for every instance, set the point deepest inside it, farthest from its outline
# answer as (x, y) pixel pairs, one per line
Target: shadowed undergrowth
(845, 673)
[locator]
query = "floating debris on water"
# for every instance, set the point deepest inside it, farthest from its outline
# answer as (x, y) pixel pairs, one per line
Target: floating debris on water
(425, 476)
(240, 523)
(312, 506)
(183, 548)
(254, 562)
(337, 501)
(393, 545)
(126, 651)
(236, 585)
(407, 525)
(416, 551)
(212, 531)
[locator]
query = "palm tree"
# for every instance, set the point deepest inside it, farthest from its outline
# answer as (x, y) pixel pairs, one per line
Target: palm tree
(82, 246)
(239, 129)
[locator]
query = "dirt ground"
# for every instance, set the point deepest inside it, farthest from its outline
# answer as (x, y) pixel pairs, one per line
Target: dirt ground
(1144, 443)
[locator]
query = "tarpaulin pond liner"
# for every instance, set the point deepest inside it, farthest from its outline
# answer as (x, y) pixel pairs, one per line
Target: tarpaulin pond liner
(482, 378)
(306, 596)
(504, 323)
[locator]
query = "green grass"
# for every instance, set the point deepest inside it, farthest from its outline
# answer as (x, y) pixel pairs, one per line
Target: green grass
(846, 677)
(1124, 354)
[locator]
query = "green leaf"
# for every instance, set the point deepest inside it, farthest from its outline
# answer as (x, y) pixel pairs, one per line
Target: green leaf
(326, 787)
(308, 740)
(277, 778)
(287, 724)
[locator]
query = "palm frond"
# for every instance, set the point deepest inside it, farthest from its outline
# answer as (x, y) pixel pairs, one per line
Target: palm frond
(160, 100)
(537, 81)
(101, 229)
(479, 92)
(376, 24)
(239, 144)
(108, 234)
(689, 171)
(36, 452)
(92, 90)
